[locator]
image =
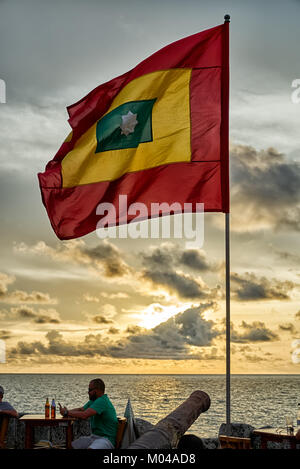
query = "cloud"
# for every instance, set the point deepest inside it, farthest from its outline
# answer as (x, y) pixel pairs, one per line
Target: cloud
(173, 255)
(134, 329)
(104, 256)
(255, 332)
(109, 256)
(197, 260)
(169, 340)
(287, 328)
(248, 287)
(265, 192)
(112, 296)
(90, 299)
(42, 316)
(5, 280)
(19, 296)
(99, 319)
(160, 269)
(184, 285)
(4, 335)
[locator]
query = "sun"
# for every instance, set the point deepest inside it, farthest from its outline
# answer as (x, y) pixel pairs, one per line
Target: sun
(155, 314)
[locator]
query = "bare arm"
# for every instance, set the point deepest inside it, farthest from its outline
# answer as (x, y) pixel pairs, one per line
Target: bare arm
(63, 410)
(81, 414)
(12, 413)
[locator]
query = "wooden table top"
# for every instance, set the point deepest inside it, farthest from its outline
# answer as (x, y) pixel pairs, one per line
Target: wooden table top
(279, 431)
(42, 418)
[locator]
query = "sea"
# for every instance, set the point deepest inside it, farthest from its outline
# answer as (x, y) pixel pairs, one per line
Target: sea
(258, 400)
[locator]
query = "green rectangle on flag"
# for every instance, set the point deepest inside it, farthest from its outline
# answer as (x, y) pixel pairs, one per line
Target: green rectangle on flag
(126, 126)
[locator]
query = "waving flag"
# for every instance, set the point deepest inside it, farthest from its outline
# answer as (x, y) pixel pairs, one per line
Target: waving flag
(158, 133)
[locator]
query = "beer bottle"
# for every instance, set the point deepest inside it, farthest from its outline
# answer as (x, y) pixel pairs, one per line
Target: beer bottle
(53, 409)
(47, 409)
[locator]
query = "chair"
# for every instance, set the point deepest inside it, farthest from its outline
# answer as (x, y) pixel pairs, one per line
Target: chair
(234, 442)
(4, 420)
(122, 421)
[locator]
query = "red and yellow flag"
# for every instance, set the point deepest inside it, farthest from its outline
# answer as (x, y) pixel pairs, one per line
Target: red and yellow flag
(158, 133)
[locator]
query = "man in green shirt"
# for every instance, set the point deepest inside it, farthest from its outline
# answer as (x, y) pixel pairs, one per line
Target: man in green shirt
(103, 417)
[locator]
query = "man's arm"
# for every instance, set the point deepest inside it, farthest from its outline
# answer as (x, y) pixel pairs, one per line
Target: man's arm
(12, 412)
(78, 409)
(81, 413)
(63, 410)
(78, 413)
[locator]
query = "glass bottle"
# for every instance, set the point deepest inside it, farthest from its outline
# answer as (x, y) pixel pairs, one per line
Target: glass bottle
(53, 409)
(47, 409)
(298, 416)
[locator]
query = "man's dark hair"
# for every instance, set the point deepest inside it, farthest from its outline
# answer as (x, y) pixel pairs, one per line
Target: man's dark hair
(98, 384)
(190, 442)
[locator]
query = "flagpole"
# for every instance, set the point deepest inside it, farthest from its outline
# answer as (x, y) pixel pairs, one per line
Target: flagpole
(227, 235)
(227, 242)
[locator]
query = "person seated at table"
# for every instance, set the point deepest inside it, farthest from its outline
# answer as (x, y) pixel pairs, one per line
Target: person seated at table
(5, 407)
(190, 442)
(104, 421)
(298, 435)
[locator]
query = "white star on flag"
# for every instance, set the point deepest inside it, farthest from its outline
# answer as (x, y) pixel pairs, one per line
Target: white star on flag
(128, 123)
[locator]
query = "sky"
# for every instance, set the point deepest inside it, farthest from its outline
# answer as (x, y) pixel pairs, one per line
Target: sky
(149, 305)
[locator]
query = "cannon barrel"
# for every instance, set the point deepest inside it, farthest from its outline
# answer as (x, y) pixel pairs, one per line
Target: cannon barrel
(166, 433)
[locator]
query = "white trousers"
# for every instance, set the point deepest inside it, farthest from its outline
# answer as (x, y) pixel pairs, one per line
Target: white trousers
(92, 442)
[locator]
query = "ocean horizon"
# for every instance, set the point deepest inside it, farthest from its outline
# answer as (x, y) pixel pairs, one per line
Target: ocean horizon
(256, 399)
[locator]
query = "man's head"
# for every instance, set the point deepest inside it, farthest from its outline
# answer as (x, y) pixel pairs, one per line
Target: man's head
(1, 392)
(96, 389)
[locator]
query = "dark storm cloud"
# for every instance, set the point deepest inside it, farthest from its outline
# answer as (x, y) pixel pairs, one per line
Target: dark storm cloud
(265, 189)
(248, 287)
(255, 332)
(168, 340)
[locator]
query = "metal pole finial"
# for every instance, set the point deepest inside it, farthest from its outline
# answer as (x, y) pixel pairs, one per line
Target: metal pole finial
(227, 19)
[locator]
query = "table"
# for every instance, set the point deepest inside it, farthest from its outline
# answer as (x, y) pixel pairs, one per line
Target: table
(279, 435)
(38, 420)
